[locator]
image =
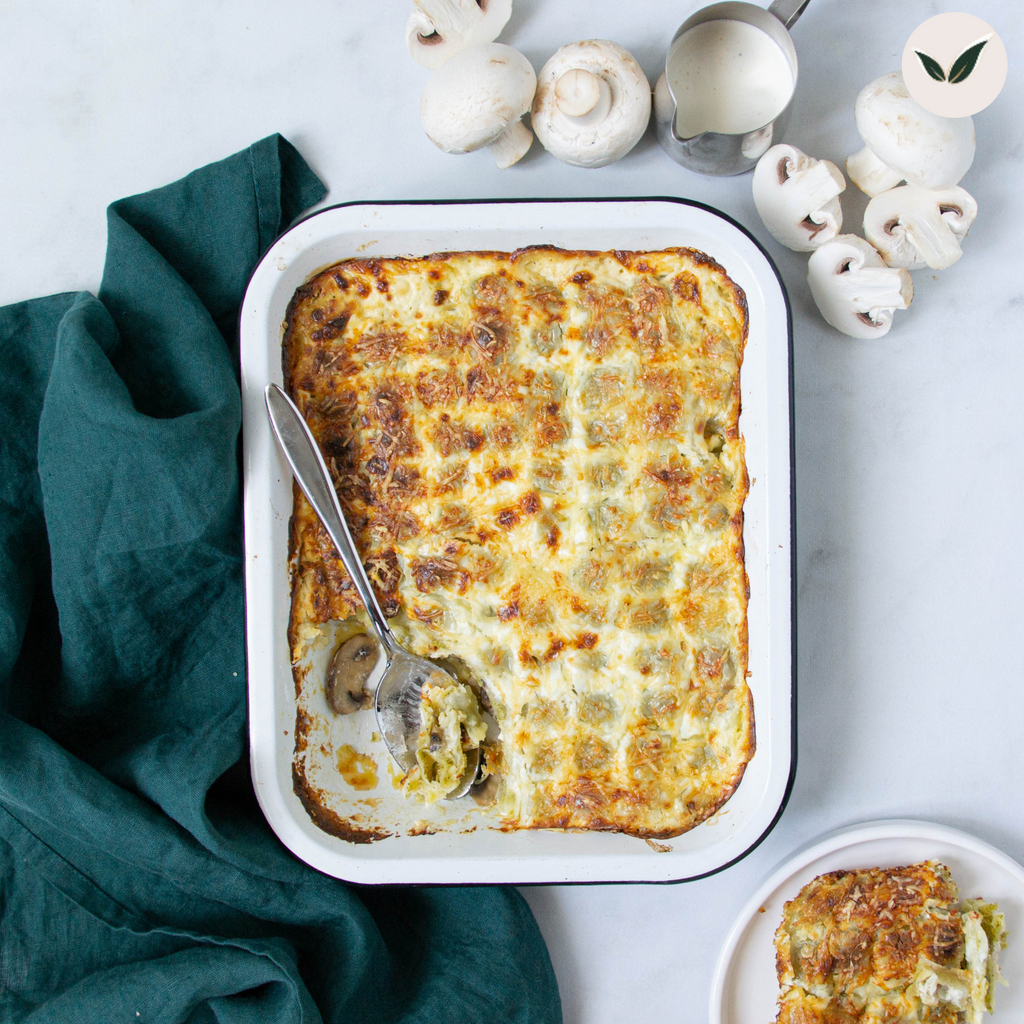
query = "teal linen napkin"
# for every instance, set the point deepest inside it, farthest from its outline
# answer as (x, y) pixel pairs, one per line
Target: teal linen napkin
(138, 880)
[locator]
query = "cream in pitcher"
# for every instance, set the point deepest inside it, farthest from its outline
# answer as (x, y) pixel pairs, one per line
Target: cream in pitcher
(728, 76)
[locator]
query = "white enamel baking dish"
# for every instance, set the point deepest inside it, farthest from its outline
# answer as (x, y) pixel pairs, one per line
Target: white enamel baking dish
(487, 855)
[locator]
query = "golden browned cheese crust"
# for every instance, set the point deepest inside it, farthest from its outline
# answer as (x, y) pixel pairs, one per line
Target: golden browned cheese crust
(539, 457)
(850, 946)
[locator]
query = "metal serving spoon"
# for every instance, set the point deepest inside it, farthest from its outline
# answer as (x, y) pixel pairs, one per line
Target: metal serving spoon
(397, 697)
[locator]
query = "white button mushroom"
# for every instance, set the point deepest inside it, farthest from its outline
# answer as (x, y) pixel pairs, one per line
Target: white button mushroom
(855, 291)
(905, 142)
(797, 197)
(593, 103)
(917, 227)
(438, 29)
(477, 98)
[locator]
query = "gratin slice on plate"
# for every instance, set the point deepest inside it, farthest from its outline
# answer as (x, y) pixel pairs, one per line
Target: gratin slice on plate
(887, 944)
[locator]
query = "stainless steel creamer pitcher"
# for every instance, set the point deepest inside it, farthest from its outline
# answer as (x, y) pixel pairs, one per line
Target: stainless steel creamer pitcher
(712, 152)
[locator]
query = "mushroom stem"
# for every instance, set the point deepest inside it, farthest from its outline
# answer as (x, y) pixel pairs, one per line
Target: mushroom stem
(935, 238)
(583, 96)
(873, 290)
(511, 145)
(869, 174)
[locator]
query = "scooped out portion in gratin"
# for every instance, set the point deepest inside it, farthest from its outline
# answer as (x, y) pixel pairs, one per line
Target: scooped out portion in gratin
(539, 457)
(451, 725)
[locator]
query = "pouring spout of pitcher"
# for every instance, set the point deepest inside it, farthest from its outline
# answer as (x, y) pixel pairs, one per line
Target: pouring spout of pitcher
(665, 113)
(787, 11)
(689, 140)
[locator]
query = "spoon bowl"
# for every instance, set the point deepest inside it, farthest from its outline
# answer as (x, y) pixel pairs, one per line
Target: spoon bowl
(397, 703)
(398, 695)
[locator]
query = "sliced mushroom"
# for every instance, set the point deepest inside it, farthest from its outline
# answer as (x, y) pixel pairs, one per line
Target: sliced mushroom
(477, 98)
(593, 103)
(905, 142)
(917, 227)
(438, 29)
(855, 291)
(798, 197)
(485, 792)
(347, 673)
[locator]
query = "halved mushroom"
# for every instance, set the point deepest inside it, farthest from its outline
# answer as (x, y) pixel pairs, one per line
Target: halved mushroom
(855, 291)
(593, 103)
(347, 673)
(905, 142)
(917, 227)
(798, 197)
(438, 29)
(477, 98)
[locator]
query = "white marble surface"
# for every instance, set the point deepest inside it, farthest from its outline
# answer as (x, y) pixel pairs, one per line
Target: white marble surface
(909, 464)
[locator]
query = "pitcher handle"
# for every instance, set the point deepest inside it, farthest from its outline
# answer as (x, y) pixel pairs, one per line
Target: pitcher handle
(787, 11)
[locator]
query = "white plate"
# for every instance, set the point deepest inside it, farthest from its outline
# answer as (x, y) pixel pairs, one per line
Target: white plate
(485, 855)
(745, 989)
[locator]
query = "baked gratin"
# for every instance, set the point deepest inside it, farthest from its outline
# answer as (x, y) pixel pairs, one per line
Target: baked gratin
(892, 944)
(539, 456)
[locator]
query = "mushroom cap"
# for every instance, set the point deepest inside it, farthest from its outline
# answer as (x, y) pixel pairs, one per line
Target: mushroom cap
(475, 95)
(797, 197)
(917, 227)
(580, 141)
(854, 290)
(924, 148)
(438, 29)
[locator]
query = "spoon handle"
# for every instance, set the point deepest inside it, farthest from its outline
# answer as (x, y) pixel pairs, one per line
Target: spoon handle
(303, 455)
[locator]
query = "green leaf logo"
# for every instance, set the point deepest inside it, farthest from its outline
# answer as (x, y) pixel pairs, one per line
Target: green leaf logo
(964, 64)
(960, 68)
(932, 66)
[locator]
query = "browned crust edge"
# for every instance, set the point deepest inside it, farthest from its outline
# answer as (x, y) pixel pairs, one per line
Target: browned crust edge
(294, 579)
(327, 820)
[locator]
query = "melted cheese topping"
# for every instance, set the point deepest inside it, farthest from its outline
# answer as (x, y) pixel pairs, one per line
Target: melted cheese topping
(539, 457)
(883, 945)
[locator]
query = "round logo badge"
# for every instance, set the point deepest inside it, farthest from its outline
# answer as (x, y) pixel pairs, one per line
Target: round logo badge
(954, 65)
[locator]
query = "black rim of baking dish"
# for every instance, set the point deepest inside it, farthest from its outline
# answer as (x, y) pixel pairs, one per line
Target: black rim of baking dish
(792, 504)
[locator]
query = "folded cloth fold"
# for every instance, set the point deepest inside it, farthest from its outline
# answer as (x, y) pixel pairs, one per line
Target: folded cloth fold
(138, 879)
